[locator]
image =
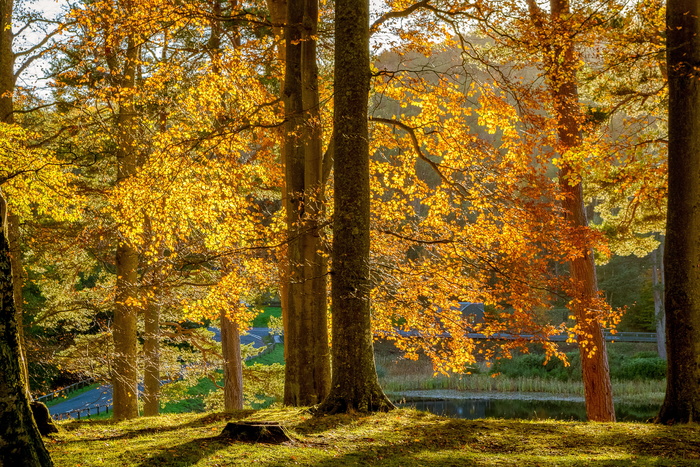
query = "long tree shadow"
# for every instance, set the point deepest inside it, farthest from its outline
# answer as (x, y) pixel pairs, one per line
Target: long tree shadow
(187, 453)
(205, 420)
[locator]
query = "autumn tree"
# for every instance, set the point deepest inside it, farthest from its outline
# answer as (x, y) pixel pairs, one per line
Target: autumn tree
(354, 384)
(560, 63)
(307, 356)
(682, 303)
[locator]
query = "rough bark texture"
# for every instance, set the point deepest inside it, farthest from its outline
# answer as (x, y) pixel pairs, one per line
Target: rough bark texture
(124, 367)
(233, 364)
(354, 385)
(682, 255)
(20, 440)
(7, 88)
(151, 350)
(561, 65)
(7, 62)
(307, 363)
(657, 278)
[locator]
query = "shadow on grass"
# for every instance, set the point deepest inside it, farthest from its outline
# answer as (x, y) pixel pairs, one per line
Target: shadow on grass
(489, 442)
(187, 453)
(204, 420)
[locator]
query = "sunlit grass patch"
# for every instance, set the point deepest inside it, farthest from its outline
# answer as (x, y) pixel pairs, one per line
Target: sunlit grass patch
(402, 437)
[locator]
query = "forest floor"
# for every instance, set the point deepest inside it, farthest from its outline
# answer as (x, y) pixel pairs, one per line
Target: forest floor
(400, 438)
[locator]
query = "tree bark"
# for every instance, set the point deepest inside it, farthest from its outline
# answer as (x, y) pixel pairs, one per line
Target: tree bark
(20, 440)
(657, 279)
(561, 79)
(7, 62)
(307, 364)
(7, 89)
(151, 350)
(233, 364)
(125, 369)
(354, 386)
(682, 255)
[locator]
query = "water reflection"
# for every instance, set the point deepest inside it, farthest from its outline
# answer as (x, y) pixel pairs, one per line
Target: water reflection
(524, 409)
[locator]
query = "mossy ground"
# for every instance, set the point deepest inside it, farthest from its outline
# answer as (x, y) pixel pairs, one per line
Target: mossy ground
(399, 438)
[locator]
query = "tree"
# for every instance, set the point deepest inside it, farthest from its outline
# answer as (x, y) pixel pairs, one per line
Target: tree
(18, 431)
(354, 384)
(682, 288)
(307, 357)
(561, 68)
(125, 372)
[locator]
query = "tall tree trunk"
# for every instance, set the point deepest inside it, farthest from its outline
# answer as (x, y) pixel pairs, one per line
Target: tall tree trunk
(315, 264)
(682, 255)
(354, 385)
(561, 67)
(125, 369)
(307, 364)
(151, 350)
(7, 89)
(278, 17)
(20, 441)
(657, 278)
(233, 364)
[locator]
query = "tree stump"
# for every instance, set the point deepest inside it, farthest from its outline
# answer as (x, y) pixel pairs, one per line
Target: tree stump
(256, 432)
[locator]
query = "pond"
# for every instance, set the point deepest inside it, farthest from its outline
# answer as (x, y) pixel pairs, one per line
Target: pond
(522, 406)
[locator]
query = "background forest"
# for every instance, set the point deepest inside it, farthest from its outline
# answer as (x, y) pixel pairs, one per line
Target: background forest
(168, 168)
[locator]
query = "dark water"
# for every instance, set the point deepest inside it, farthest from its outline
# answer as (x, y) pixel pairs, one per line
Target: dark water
(525, 409)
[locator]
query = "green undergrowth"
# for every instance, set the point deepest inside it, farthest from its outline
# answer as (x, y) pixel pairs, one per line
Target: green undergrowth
(274, 355)
(637, 375)
(647, 392)
(399, 438)
(262, 320)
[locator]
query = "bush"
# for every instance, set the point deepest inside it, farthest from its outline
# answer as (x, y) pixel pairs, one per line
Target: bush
(532, 366)
(641, 366)
(638, 368)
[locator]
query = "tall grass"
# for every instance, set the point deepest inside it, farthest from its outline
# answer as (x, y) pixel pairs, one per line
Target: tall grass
(398, 375)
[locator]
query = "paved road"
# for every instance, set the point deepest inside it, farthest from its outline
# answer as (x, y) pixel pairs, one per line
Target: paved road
(90, 399)
(253, 336)
(103, 395)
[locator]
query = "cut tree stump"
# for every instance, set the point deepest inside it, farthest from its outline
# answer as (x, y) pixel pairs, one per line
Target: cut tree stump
(256, 432)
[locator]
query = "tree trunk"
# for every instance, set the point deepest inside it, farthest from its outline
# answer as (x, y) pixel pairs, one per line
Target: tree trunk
(354, 384)
(657, 277)
(561, 66)
(307, 364)
(7, 89)
(278, 16)
(151, 350)
(125, 369)
(20, 440)
(233, 364)
(7, 62)
(682, 255)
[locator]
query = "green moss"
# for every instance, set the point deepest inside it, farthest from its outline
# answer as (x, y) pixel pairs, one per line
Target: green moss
(402, 437)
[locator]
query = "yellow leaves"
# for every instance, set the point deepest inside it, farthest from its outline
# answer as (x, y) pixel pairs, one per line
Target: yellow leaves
(35, 181)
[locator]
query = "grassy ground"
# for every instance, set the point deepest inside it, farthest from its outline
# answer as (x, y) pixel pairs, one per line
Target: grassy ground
(400, 438)
(262, 320)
